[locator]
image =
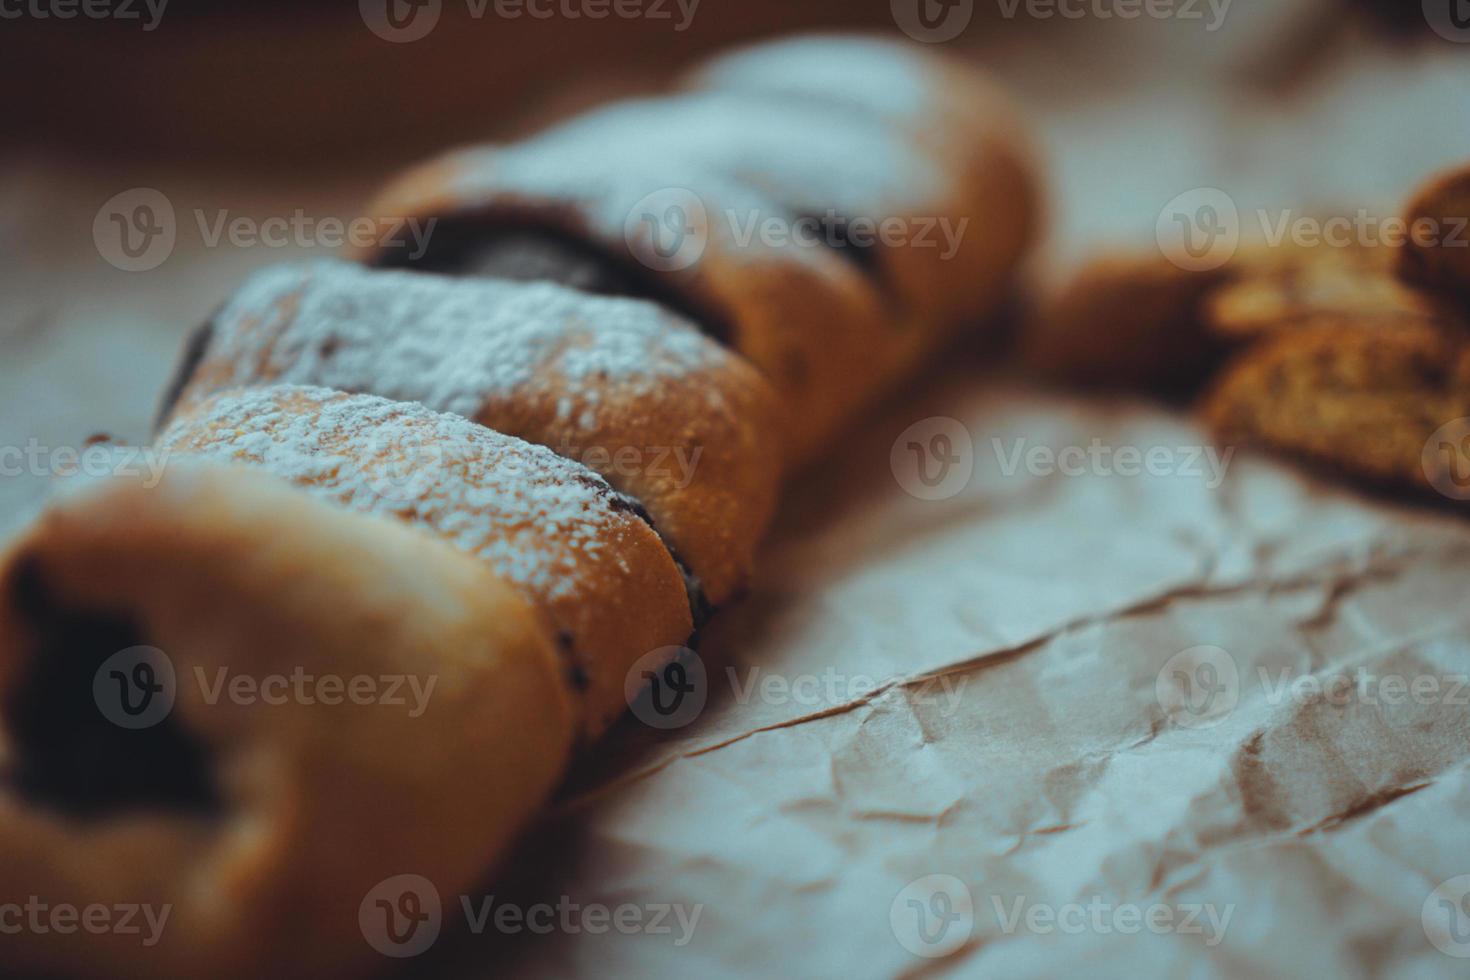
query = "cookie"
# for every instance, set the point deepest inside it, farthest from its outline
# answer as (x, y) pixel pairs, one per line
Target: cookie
(1363, 403)
(1292, 286)
(1128, 322)
(1436, 255)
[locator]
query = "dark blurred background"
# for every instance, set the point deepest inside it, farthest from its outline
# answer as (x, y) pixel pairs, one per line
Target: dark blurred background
(323, 83)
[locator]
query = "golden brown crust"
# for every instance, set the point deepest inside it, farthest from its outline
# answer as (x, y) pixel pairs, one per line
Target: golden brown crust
(804, 316)
(548, 525)
(1363, 402)
(718, 198)
(1128, 321)
(225, 569)
(638, 395)
(943, 111)
(1290, 287)
(1437, 253)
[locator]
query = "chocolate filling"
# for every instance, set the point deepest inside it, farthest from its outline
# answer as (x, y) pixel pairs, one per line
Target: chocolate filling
(700, 608)
(576, 673)
(195, 347)
(67, 755)
(472, 246)
(863, 255)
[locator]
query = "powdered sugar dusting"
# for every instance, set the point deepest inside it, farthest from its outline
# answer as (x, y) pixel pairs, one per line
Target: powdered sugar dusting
(449, 343)
(542, 521)
(804, 156)
(875, 74)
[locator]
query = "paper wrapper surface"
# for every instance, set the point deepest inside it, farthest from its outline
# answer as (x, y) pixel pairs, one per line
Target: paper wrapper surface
(1144, 724)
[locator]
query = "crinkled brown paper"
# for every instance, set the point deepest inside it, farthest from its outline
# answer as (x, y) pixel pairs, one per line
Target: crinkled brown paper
(1029, 735)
